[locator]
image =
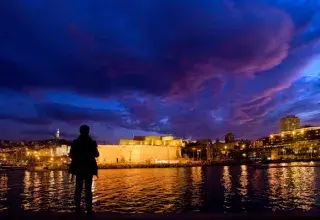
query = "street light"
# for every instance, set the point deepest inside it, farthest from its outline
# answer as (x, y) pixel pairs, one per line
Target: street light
(199, 154)
(193, 149)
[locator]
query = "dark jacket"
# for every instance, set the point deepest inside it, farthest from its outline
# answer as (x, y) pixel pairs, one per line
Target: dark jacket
(83, 152)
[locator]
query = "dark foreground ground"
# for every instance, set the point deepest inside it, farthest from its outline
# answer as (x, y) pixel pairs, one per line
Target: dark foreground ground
(195, 216)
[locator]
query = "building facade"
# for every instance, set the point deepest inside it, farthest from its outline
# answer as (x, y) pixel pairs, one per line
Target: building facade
(142, 149)
(289, 123)
(300, 143)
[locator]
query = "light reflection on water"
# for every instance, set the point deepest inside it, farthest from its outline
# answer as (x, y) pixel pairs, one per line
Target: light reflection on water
(293, 188)
(3, 191)
(214, 189)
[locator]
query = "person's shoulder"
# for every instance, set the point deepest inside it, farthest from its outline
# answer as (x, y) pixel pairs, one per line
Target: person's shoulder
(94, 142)
(75, 141)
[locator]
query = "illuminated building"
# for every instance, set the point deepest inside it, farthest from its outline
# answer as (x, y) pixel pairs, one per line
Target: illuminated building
(58, 134)
(289, 123)
(142, 149)
(299, 143)
(301, 134)
(62, 150)
(152, 140)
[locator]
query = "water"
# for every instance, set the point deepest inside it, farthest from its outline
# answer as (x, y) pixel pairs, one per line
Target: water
(215, 189)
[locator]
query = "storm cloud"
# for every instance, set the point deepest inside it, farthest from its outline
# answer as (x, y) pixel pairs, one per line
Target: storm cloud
(187, 68)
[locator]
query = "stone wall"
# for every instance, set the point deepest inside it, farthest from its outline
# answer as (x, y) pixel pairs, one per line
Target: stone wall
(137, 153)
(152, 140)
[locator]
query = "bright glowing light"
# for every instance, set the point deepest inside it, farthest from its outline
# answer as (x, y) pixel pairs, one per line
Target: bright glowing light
(226, 147)
(244, 155)
(282, 134)
(271, 136)
(243, 146)
(293, 132)
(302, 131)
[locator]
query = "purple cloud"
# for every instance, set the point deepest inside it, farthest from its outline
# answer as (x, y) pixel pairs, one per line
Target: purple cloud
(200, 69)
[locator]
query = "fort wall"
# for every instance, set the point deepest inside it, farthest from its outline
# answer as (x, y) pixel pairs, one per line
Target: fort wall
(138, 153)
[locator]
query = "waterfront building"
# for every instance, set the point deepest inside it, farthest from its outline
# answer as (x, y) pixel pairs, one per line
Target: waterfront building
(62, 150)
(301, 134)
(142, 149)
(289, 123)
(299, 143)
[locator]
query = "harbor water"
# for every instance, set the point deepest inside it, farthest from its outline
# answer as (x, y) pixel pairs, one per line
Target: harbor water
(219, 189)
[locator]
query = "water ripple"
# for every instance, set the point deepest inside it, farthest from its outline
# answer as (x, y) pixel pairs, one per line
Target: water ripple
(215, 189)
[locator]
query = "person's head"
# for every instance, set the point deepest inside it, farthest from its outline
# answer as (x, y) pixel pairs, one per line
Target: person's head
(84, 130)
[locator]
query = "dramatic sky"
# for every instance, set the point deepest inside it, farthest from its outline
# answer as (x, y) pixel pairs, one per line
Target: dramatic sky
(190, 68)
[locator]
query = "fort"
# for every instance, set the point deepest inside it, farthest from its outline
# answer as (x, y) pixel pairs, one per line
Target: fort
(142, 149)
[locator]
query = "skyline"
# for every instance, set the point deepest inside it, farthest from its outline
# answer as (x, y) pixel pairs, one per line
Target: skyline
(195, 69)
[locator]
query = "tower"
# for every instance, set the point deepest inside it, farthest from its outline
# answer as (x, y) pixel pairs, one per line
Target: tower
(58, 134)
(289, 123)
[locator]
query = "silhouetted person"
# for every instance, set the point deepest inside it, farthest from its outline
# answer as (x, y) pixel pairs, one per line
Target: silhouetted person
(84, 166)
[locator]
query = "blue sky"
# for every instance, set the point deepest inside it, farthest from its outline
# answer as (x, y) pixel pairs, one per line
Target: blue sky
(188, 68)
